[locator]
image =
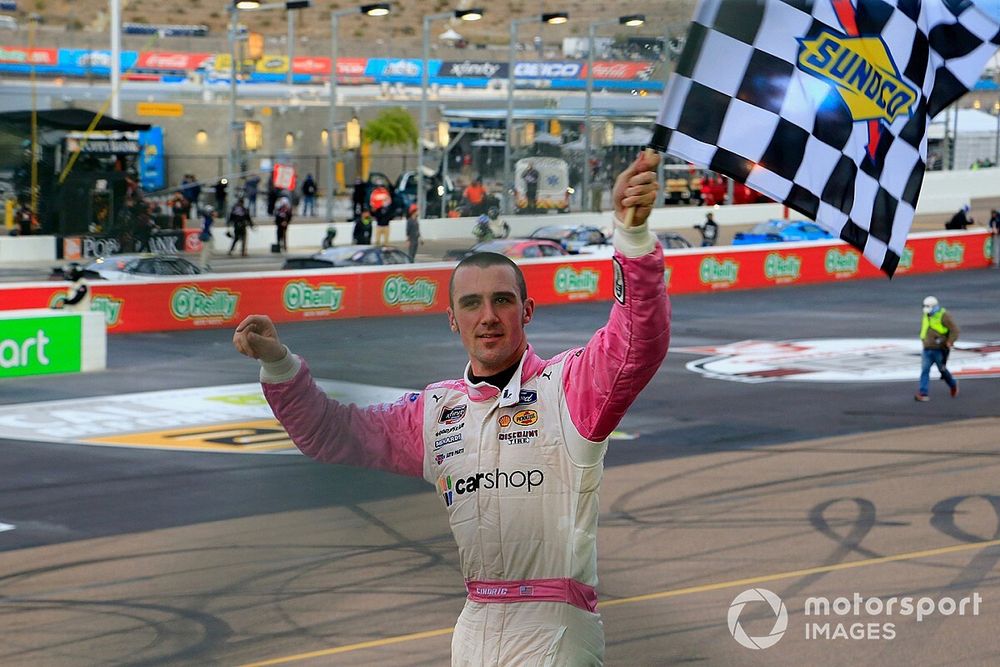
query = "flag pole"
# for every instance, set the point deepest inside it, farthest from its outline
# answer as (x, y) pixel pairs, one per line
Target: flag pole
(630, 212)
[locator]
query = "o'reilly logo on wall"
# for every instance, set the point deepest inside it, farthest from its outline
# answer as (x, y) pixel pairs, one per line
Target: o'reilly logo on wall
(571, 281)
(949, 254)
(301, 296)
(40, 346)
(782, 268)
(718, 274)
(398, 291)
(841, 264)
(191, 303)
(905, 260)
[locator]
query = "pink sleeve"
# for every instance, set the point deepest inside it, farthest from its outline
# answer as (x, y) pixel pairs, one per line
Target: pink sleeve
(388, 436)
(601, 380)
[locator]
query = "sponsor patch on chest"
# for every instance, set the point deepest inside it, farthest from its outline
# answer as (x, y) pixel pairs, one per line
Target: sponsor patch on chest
(453, 415)
(525, 437)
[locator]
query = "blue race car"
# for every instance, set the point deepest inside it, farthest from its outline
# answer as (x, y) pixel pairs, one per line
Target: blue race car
(777, 231)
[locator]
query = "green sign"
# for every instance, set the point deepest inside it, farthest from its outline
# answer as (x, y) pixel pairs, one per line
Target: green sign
(571, 281)
(949, 253)
(190, 302)
(398, 291)
(40, 346)
(841, 263)
(713, 272)
(301, 296)
(782, 267)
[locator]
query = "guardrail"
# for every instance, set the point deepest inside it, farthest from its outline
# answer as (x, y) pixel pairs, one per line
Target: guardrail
(288, 296)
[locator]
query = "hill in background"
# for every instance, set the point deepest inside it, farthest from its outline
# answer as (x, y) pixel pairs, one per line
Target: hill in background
(399, 34)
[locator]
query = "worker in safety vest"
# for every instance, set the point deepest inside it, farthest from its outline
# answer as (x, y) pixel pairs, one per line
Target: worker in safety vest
(938, 333)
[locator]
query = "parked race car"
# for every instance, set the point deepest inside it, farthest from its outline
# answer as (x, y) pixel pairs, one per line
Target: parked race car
(135, 267)
(514, 248)
(348, 255)
(571, 237)
(777, 231)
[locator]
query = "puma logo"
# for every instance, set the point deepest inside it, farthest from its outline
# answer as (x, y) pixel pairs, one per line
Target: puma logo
(547, 375)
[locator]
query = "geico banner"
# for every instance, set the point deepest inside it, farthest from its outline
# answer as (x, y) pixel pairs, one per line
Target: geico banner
(547, 70)
(288, 296)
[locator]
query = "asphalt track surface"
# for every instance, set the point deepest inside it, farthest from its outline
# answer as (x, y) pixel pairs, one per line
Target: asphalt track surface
(134, 556)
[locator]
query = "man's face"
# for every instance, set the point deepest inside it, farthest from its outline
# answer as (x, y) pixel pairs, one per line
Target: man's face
(488, 313)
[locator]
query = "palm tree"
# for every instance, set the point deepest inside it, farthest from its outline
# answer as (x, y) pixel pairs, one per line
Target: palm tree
(392, 127)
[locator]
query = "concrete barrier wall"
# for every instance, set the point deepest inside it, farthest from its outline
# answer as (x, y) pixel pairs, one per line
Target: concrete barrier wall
(14, 249)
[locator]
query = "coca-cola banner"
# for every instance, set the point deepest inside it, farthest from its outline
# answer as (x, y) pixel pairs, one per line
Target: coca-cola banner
(621, 70)
(172, 60)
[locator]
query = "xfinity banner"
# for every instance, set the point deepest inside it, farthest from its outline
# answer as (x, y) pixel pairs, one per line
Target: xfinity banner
(473, 70)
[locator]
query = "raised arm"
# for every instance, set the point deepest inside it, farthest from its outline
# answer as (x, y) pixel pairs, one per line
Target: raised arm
(387, 436)
(603, 379)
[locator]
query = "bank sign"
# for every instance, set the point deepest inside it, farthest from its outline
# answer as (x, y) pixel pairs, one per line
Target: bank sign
(40, 346)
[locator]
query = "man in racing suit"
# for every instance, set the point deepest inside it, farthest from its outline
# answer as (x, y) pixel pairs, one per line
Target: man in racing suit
(514, 449)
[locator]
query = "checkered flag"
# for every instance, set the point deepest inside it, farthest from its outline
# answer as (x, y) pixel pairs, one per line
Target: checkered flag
(824, 104)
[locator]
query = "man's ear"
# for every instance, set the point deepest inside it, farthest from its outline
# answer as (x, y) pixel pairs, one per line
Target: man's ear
(529, 310)
(452, 322)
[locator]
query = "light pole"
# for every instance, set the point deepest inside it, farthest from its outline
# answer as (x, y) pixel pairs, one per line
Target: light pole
(376, 9)
(631, 21)
(465, 15)
(289, 6)
(116, 54)
(553, 18)
(235, 129)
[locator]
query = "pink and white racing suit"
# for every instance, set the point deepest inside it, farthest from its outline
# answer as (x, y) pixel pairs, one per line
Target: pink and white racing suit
(517, 469)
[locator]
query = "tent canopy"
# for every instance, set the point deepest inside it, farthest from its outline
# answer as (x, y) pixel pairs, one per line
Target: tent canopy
(68, 119)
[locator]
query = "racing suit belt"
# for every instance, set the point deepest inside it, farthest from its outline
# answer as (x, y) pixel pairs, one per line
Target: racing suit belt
(564, 589)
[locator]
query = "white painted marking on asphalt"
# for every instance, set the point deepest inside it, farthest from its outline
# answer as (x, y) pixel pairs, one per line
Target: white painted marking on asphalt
(5, 526)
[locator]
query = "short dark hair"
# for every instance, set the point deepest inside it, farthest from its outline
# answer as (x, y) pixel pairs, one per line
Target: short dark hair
(484, 260)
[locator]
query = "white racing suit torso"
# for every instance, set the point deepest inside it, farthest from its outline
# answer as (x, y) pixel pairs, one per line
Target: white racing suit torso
(517, 470)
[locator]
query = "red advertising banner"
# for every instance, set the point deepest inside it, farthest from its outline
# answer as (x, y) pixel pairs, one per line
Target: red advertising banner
(620, 70)
(310, 65)
(172, 60)
(351, 67)
(21, 56)
(290, 296)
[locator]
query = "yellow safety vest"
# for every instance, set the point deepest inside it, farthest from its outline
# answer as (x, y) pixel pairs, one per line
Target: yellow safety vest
(935, 322)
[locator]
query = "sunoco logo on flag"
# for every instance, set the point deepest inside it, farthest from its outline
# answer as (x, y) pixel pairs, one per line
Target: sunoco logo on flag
(771, 93)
